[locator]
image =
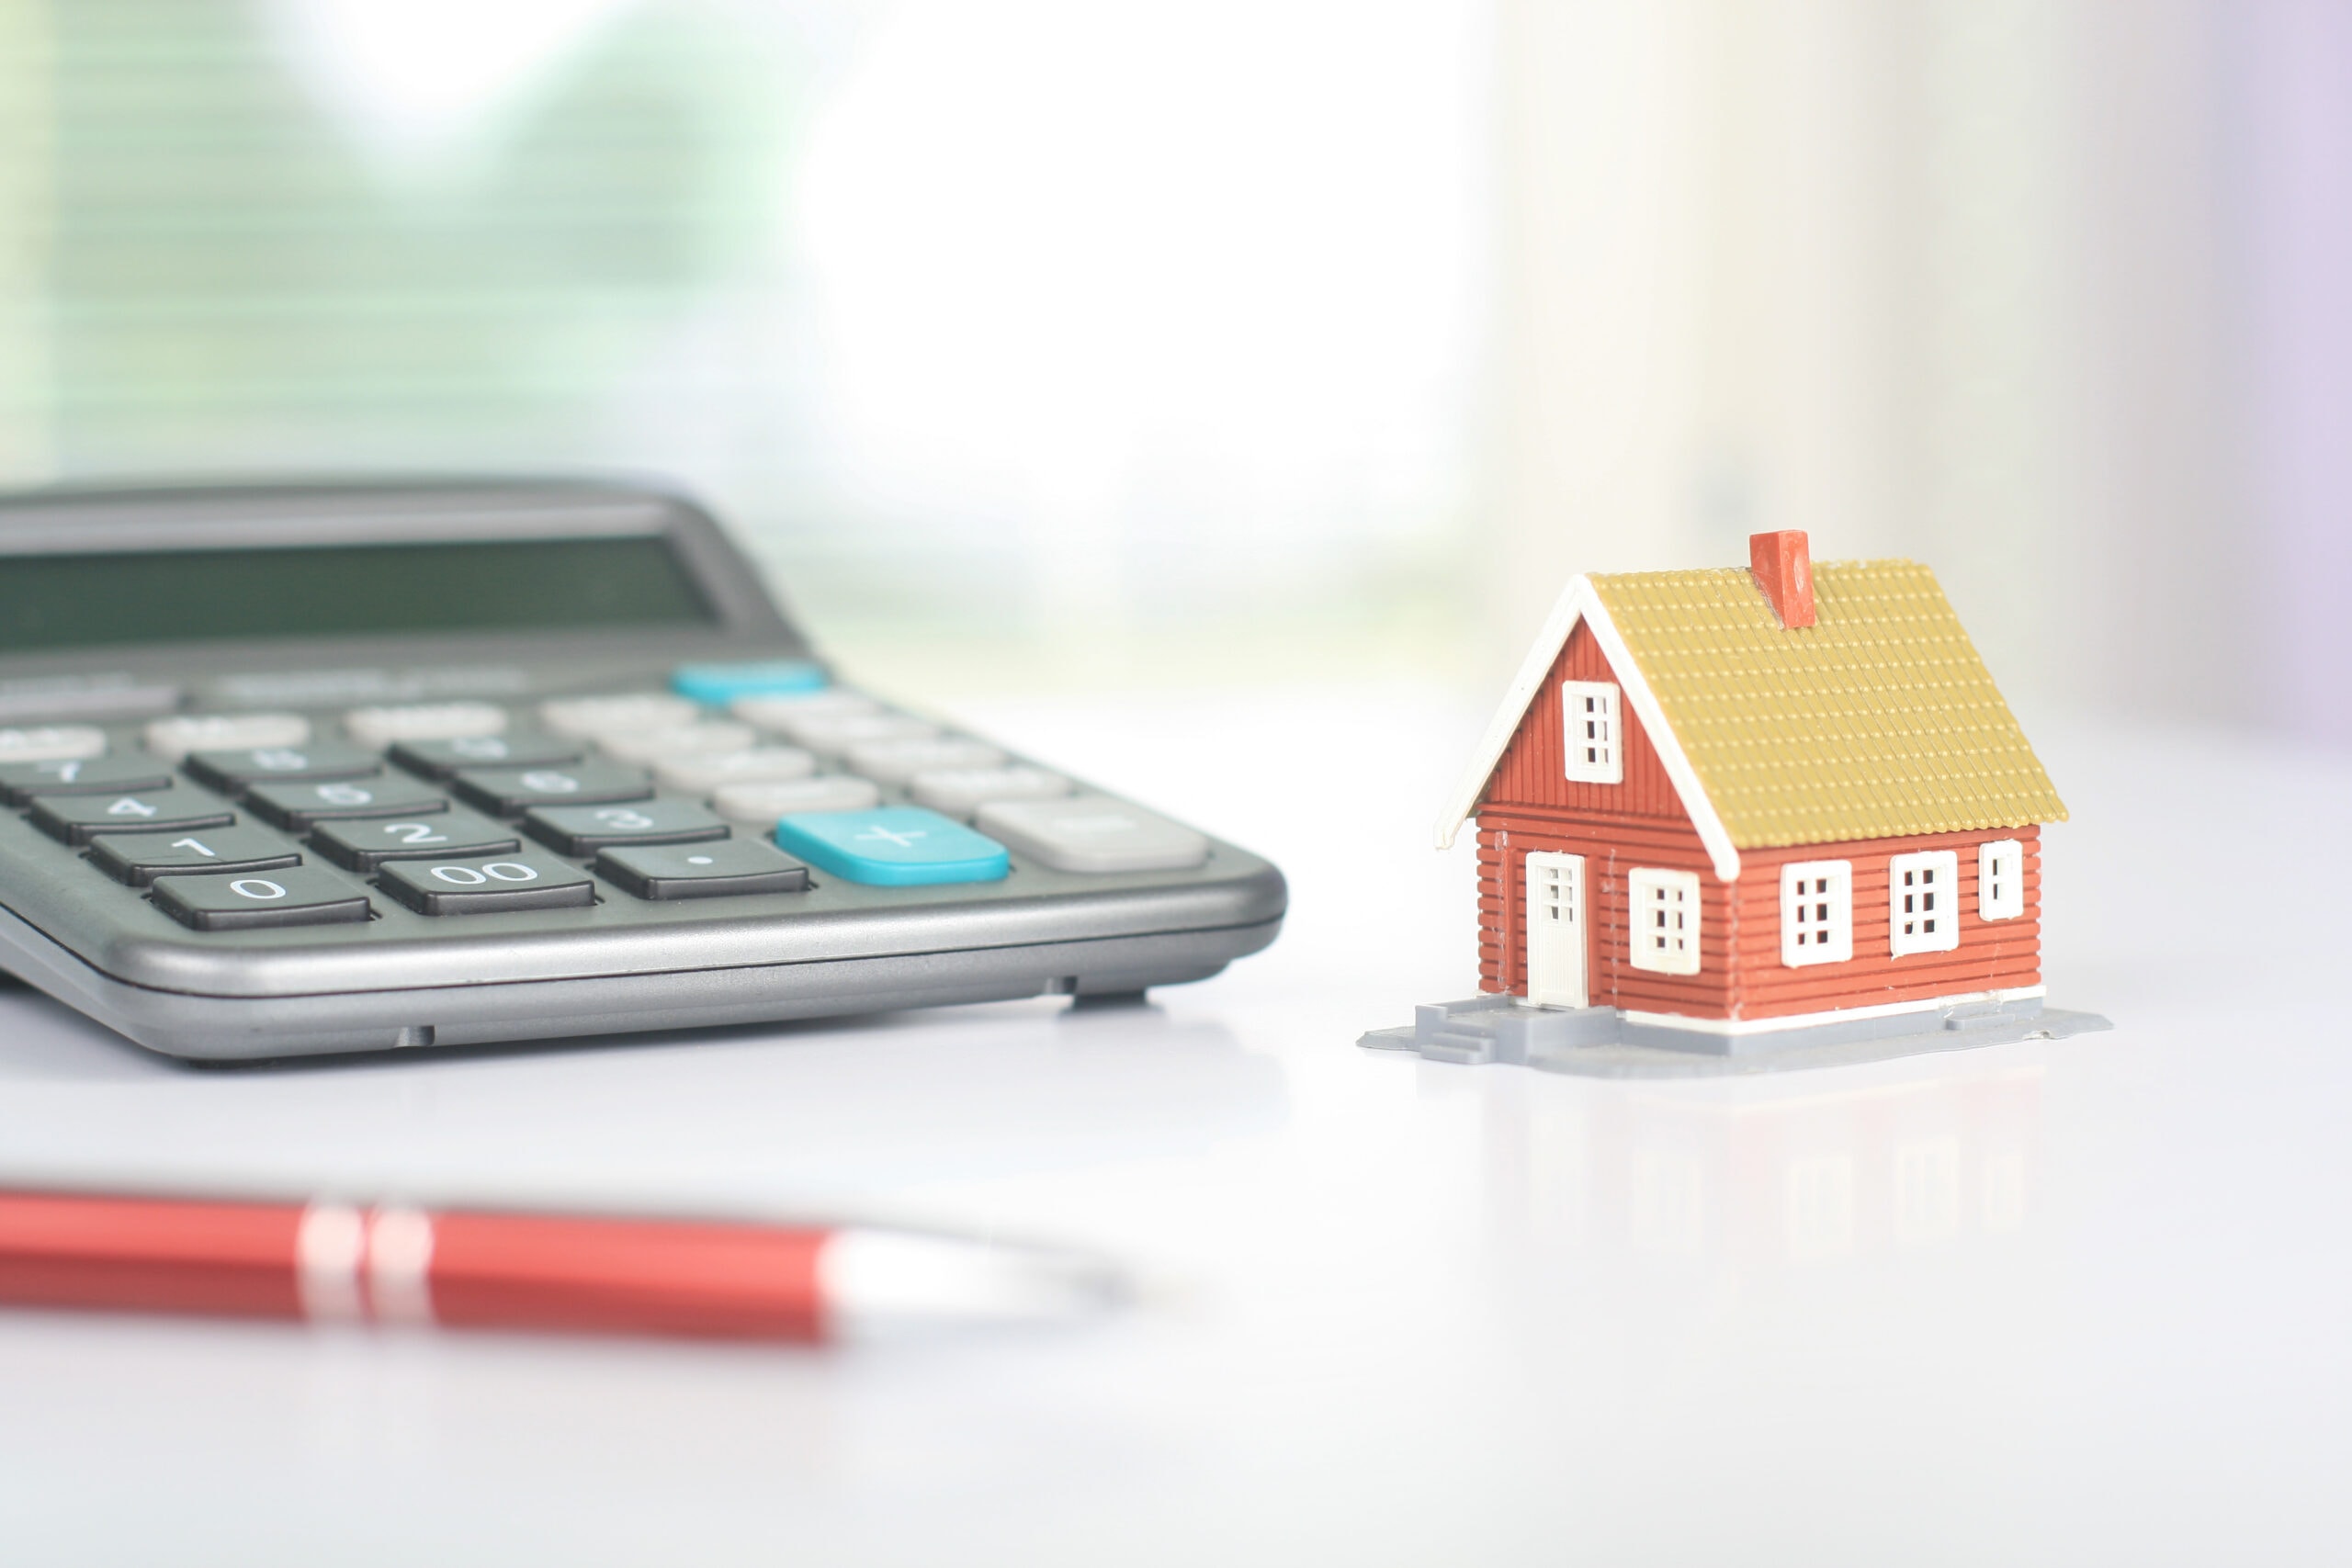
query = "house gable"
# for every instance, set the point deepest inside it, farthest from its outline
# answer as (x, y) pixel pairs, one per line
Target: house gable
(1517, 717)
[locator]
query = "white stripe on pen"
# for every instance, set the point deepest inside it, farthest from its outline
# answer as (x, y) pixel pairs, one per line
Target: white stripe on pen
(355, 1266)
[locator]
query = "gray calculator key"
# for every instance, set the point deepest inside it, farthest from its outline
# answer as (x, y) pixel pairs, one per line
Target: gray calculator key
(960, 792)
(231, 772)
(1092, 833)
(486, 884)
(584, 829)
(127, 774)
(297, 896)
(439, 759)
(762, 806)
(50, 742)
(364, 846)
(896, 761)
(78, 818)
(140, 858)
(301, 806)
(509, 791)
(702, 871)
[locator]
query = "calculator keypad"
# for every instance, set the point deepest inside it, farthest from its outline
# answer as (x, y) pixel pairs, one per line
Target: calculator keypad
(231, 771)
(365, 845)
(896, 761)
(51, 743)
(487, 885)
(736, 867)
(439, 759)
(760, 764)
(123, 773)
(297, 896)
(892, 846)
(509, 791)
(761, 805)
(78, 818)
(960, 792)
(301, 806)
(175, 737)
(584, 829)
(1093, 833)
(590, 718)
(423, 721)
(140, 858)
(712, 738)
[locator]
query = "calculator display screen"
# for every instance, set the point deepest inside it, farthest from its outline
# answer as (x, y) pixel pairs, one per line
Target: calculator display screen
(73, 601)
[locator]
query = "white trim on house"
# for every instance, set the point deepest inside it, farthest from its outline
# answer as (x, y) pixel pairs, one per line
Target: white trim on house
(1578, 603)
(1834, 1015)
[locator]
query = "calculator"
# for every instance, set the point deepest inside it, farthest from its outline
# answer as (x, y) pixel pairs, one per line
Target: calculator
(304, 768)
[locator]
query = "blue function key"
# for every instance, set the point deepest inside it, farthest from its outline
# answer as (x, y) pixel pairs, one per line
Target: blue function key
(892, 846)
(715, 685)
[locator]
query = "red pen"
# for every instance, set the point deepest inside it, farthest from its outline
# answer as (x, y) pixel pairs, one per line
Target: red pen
(331, 1262)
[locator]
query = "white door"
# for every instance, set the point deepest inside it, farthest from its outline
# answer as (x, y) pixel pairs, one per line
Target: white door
(1555, 930)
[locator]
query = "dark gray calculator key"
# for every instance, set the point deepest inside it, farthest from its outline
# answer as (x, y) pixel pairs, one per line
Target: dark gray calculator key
(78, 818)
(584, 829)
(299, 896)
(140, 858)
(702, 871)
(364, 846)
(301, 806)
(439, 759)
(486, 884)
(231, 771)
(126, 773)
(509, 791)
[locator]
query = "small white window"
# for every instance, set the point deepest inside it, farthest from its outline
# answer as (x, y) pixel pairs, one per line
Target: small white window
(1923, 902)
(1666, 920)
(1816, 912)
(1589, 732)
(2001, 880)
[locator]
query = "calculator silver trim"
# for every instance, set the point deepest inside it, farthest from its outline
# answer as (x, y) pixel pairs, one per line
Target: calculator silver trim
(622, 967)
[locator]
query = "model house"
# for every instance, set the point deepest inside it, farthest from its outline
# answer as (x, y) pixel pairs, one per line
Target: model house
(1734, 802)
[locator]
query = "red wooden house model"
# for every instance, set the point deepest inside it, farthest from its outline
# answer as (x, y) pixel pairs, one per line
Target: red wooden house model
(1735, 807)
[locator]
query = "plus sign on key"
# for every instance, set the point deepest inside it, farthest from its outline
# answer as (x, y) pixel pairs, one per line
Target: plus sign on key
(892, 846)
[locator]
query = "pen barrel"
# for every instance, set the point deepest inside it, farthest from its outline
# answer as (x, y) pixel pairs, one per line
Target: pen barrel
(131, 1255)
(624, 1276)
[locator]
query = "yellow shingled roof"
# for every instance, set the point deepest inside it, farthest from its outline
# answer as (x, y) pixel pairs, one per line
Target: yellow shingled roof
(1879, 721)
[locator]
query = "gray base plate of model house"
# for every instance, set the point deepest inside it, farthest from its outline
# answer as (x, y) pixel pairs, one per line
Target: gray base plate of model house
(1600, 1043)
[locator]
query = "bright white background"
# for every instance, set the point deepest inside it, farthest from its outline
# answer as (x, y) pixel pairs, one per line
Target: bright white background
(2077, 1303)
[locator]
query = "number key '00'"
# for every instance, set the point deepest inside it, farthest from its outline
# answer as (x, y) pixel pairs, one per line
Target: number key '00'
(498, 885)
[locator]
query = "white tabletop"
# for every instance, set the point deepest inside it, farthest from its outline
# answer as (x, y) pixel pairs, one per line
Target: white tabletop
(2078, 1302)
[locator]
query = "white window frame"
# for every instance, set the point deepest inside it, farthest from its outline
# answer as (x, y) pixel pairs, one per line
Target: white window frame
(1825, 888)
(1664, 917)
(1923, 902)
(2001, 880)
(1592, 739)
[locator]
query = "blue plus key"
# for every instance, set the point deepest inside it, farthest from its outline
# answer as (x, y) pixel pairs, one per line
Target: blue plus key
(892, 846)
(718, 684)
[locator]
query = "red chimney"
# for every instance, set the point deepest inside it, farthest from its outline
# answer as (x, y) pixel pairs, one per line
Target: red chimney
(1783, 563)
